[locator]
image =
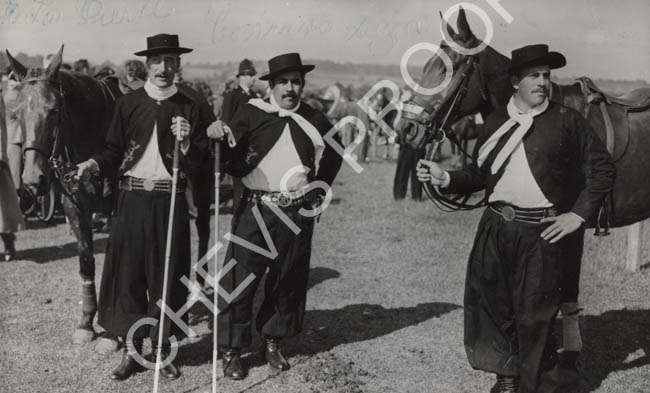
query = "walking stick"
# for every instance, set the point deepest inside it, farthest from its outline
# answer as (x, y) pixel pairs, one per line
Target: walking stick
(168, 248)
(217, 272)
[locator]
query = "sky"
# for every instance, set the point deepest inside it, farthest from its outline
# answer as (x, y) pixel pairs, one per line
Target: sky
(600, 38)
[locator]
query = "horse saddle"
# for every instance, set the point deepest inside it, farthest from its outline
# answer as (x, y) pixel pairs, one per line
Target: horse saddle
(608, 115)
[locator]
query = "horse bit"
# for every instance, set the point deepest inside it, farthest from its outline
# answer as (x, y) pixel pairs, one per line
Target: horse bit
(428, 116)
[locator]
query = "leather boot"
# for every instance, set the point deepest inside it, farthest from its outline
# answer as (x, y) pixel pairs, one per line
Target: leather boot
(170, 371)
(128, 365)
(232, 365)
(273, 355)
(505, 385)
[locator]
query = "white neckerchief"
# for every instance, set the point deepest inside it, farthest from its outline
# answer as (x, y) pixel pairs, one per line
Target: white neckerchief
(306, 126)
(525, 121)
(159, 93)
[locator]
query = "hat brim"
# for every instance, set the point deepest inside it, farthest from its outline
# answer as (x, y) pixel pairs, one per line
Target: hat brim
(554, 60)
(163, 49)
(305, 68)
(246, 73)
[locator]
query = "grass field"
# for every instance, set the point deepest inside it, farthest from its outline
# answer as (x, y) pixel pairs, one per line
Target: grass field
(384, 309)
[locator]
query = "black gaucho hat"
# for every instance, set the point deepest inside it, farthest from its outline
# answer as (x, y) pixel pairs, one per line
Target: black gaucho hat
(535, 55)
(162, 43)
(285, 63)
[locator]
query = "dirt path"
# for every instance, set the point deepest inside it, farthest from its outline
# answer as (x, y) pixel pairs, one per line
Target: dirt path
(384, 309)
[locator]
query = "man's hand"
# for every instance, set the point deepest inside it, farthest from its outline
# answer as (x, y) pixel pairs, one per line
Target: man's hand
(182, 132)
(86, 169)
(429, 171)
(217, 130)
(561, 226)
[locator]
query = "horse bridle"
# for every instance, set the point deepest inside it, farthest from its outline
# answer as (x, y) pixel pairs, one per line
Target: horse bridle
(436, 124)
(63, 169)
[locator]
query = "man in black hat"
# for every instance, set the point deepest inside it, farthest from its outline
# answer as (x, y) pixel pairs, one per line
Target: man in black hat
(140, 149)
(280, 152)
(545, 172)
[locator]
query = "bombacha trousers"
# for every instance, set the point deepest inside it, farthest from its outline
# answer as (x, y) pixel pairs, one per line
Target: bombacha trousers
(512, 296)
(283, 308)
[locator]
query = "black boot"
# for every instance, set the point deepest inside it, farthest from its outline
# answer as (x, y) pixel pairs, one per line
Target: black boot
(128, 366)
(505, 385)
(170, 371)
(273, 355)
(9, 240)
(232, 365)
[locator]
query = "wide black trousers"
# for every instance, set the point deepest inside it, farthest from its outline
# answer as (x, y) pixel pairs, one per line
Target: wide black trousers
(132, 280)
(512, 296)
(283, 308)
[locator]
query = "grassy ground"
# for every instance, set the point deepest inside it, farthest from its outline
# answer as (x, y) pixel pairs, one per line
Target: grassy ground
(384, 309)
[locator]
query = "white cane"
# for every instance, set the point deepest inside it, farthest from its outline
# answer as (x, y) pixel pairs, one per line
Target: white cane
(217, 275)
(168, 248)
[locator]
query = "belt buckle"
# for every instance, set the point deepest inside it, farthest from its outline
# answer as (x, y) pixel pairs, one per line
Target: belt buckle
(284, 200)
(508, 213)
(148, 185)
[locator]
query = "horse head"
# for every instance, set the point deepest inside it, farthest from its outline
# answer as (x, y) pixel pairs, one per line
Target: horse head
(38, 107)
(478, 83)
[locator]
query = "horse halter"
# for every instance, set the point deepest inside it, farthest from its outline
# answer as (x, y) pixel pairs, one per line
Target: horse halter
(436, 128)
(62, 169)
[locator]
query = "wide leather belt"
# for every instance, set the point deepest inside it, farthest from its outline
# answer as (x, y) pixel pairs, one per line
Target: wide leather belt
(129, 183)
(280, 199)
(521, 214)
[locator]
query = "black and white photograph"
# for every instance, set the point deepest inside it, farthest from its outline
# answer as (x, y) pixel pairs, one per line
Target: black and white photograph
(325, 196)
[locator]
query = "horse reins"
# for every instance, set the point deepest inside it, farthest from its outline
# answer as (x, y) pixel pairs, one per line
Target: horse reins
(427, 115)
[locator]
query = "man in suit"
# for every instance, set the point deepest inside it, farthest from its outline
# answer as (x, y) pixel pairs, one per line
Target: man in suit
(232, 101)
(140, 150)
(545, 173)
(280, 154)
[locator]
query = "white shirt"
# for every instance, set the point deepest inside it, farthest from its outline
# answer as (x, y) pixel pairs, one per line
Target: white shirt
(282, 159)
(517, 186)
(150, 166)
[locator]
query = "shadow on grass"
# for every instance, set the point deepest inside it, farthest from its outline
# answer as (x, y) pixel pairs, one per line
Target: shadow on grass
(614, 341)
(199, 313)
(54, 253)
(326, 329)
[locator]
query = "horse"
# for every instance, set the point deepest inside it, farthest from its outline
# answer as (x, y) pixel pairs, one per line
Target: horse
(64, 116)
(481, 83)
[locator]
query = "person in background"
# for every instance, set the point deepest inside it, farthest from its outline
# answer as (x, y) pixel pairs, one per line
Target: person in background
(11, 218)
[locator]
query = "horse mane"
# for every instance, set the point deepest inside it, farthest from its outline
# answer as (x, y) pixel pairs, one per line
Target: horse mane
(86, 113)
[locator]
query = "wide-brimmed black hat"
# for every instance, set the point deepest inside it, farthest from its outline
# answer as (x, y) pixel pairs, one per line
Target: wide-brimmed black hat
(535, 55)
(285, 63)
(162, 43)
(246, 67)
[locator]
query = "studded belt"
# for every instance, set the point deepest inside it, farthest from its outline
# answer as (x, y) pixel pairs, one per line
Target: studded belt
(280, 199)
(129, 183)
(521, 214)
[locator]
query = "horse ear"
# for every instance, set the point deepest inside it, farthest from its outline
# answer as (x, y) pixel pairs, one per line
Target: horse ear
(17, 67)
(55, 63)
(464, 30)
(450, 30)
